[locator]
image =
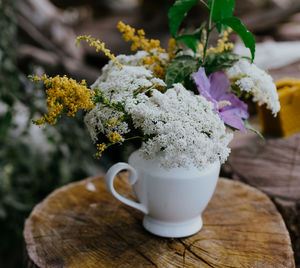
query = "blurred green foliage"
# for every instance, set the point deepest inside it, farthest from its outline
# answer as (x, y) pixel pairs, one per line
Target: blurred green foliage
(33, 161)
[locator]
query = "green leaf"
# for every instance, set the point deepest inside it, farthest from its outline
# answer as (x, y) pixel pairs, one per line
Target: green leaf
(219, 61)
(249, 127)
(180, 68)
(246, 36)
(177, 13)
(191, 40)
(221, 9)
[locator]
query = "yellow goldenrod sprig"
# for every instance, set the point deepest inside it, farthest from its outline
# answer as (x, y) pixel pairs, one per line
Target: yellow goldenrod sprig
(112, 122)
(100, 149)
(156, 64)
(139, 40)
(152, 46)
(114, 137)
(171, 48)
(63, 95)
(99, 46)
(223, 44)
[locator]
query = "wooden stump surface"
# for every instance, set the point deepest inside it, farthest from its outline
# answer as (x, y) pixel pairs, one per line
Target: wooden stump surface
(272, 166)
(82, 225)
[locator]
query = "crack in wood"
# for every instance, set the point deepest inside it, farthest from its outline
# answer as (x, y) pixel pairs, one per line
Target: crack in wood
(133, 246)
(187, 247)
(147, 258)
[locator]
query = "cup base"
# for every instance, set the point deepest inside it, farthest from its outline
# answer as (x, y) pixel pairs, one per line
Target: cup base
(172, 229)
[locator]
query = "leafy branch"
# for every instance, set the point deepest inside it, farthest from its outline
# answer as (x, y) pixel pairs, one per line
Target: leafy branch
(220, 12)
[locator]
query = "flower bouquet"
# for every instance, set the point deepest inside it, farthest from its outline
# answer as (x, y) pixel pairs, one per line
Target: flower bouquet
(182, 103)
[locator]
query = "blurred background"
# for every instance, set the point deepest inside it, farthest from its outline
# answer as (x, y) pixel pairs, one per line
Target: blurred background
(37, 37)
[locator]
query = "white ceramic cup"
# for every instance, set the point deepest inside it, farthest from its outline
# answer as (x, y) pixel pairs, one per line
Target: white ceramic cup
(171, 199)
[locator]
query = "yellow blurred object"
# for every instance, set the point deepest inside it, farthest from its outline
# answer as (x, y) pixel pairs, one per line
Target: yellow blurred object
(287, 121)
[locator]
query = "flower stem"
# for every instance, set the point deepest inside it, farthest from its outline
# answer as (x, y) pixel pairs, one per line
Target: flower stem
(135, 137)
(209, 30)
(203, 2)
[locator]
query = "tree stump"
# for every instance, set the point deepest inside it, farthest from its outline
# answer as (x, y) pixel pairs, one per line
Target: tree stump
(273, 167)
(82, 225)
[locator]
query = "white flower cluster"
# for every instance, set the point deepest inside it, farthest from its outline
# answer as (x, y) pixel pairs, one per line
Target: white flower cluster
(248, 77)
(182, 125)
(178, 123)
(117, 86)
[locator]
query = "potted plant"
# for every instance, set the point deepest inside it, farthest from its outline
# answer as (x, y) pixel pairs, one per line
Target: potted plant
(182, 104)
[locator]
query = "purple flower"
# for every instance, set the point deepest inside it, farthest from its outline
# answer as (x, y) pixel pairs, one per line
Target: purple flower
(229, 107)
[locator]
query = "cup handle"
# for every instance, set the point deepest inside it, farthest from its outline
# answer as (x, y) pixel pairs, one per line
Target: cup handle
(109, 182)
